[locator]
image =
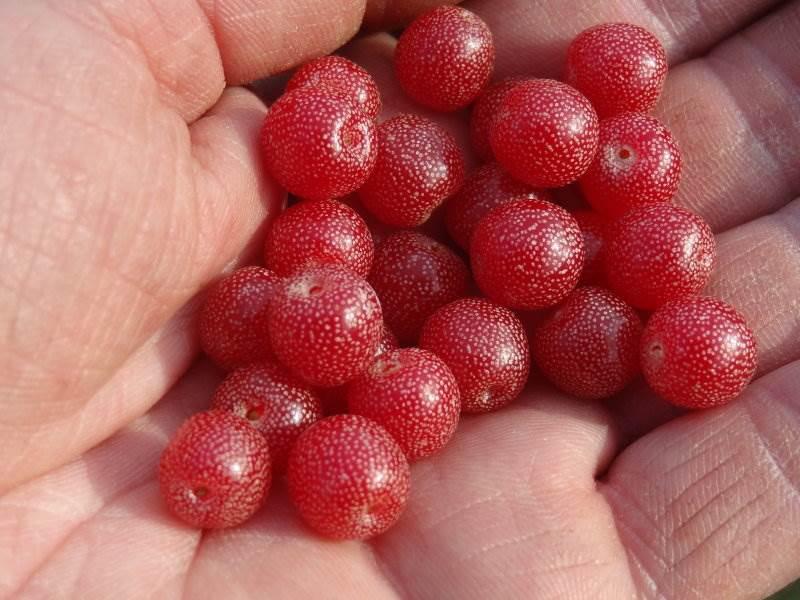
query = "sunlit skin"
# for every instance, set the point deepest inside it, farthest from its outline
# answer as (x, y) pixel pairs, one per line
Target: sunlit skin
(129, 180)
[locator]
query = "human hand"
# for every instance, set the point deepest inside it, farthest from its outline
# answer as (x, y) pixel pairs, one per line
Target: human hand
(129, 180)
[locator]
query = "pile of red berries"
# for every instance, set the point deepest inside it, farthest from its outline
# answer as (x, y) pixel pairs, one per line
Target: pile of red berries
(317, 331)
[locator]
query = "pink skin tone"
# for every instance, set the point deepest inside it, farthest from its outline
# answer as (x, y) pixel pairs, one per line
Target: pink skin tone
(110, 330)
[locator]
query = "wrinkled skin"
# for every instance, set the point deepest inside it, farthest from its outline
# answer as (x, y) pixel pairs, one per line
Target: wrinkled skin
(129, 179)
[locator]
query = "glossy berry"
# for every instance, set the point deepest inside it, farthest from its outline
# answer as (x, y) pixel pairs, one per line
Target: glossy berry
(413, 395)
(215, 472)
(486, 348)
(595, 233)
(318, 144)
(589, 346)
(620, 67)
(484, 188)
(325, 325)
(545, 133)
(444, 58)
(527, 254)
(698, 352)
(348, 478)
(233, 321)
(638, 163)
(483, 114)
(342, 75)
(319, 232)
(658, 253)
(418, 166)
(414, 275)
(276, 403)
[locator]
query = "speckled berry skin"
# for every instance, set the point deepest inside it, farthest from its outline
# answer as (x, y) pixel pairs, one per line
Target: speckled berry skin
(658, 253)
(325, 325)
(233, 325)
(527, 254)
(317, 144)
(620, 67)
(348, 478)
(342, 75)
(545, 133)
(485, 188)
(485, 347)
(638, 163)
(319, 232)
(413, 395)
(414, 275)
(589, 346)
(276, 403)
(444, 58)
(595, 234)
(698, 352)
(419, 165)
(215, 472)
(484, 111)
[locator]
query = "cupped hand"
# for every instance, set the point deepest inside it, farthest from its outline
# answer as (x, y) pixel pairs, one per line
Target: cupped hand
(130, 178)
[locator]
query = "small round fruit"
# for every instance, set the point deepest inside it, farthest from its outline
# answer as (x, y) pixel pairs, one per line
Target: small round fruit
(527, 254)
(620, 67)
(419, 165)
(589, 346)
(545, 133)
(413, 395)
(319, 232)
(325, 325)
(485, 188)
(414, 275)
(342, 75)
(638, 163)
(657, 253)
(348, 478)
(215, 472)
(698, 352)
(233, 321)
(444, 58)
(483, 114)
(485, 347)
(595, 231)
(317, 144)
(273, 401)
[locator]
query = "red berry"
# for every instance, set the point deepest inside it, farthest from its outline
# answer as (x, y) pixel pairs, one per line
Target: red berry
(342, 75)
(527, 254)
(620, 67)
(444, 58)
(317, 144)
(319, 232)
(545, 133)
(276, 403)
(215, 472)
(485, 188)
(325, 325)
(348, 478)
(595, 231)
(418, 166)
(414, 275)
(483, 114)
(638, 163)
(233, 321)
(413, 395)
(698, 352)
(589, 346)
(657, 253)
(486, 348)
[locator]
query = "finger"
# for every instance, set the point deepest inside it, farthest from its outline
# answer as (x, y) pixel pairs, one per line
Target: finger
(532, 37)
(390, 14)
(709, 504)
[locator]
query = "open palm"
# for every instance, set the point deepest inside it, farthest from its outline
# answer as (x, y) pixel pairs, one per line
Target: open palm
(129, 179)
